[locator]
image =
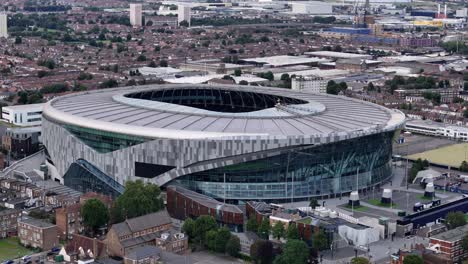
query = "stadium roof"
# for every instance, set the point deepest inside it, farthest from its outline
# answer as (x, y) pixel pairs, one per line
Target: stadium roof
(174, 111)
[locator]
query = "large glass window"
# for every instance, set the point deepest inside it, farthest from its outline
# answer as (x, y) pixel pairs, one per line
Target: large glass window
(103, 141)
(316, 171)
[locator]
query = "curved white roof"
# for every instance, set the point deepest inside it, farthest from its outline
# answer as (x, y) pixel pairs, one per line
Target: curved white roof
(320, 115)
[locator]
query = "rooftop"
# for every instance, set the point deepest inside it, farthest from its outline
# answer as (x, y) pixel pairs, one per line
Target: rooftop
(452, 235)
(36, 223)
(315, 115)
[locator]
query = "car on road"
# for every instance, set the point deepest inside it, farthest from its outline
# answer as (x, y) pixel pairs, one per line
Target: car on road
(9, 262)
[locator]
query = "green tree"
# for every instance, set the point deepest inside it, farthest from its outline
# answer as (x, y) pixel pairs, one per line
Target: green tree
(319, 241)
(293, 232)
(464, 164)
(278, 230)
(413, 259)
(138, 199)
(18, 40)
(314, 203)
(188, 228)
(284, 77)
(360, 260)
(203, 224)
(237, 72)
(294, 252)
(210, 239)
(264, 229)
(261, 252)
(222, 237)
(464, 244)
(184, 23)
(252, 224)
(163, 63)
(95, 214)
(243, 82)
(455, 219)
(233, 246)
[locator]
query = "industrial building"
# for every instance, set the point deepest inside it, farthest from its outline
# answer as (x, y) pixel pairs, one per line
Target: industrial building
(312, 7)
(228, 142)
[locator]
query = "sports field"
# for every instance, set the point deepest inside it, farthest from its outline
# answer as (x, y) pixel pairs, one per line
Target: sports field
(452, 155)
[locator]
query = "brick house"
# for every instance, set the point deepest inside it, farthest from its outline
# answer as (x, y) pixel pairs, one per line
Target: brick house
(144, 230)
(37, 234)
(450, 242)
(9, 222)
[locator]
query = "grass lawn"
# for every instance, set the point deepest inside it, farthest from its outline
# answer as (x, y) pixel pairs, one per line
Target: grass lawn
(306, 220)
(360, 208)
(452, 155)
(377, 202)
(422, 197)
(11, 249)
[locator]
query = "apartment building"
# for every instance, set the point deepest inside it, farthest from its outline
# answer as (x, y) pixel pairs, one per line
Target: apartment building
(449, 243)
(9, 222)
(69, 221)
(38, 234)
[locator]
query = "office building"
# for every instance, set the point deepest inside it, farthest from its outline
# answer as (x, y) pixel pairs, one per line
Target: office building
(23, 115)
(183, 13)
(3, 26)
(136, 18)
(227, 142)
(312, 84)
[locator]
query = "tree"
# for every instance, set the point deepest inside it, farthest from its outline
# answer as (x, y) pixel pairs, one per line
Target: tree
(141, 58)
(222, 237)
(464, 164)
(18, 40)
(294, 252)
(163, 63)
(233, 246)
(293, 232)
(261, 252)
(319, 241)
(464, 244)
(264, 229)
(188, 228)
(210, 239)
(284, 77)
(278, 230)
(252, 225)
(95, 214)
(413, 259)
(314, 203)
(138, 199)
(243, 82)
(203, 224)
(237, 72)
(455, 219)
(228, 77)
(184, 23)
(359, 260)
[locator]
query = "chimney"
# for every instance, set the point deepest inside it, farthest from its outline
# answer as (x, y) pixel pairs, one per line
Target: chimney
(445, 10)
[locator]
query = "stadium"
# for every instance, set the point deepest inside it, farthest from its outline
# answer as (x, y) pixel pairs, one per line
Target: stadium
(229, 142)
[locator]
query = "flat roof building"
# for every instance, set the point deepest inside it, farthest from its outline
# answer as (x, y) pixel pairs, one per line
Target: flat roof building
(23, 115)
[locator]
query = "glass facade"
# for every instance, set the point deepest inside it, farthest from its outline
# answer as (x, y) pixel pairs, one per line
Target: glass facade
(84, 177)
(322, 170)
(103, 141)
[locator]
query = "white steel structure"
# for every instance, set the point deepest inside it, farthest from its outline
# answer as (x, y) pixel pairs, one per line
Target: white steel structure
(312, 7)
(136, 15)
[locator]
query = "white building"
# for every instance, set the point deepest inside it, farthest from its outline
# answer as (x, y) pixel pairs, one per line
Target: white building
(3, 26)
(312, 7)
(136, 18)
(312, 84)
(431, 128)
(183, 13)
(23, 115)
